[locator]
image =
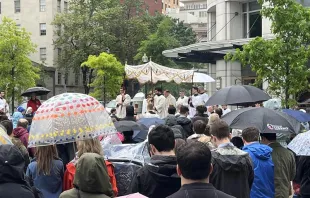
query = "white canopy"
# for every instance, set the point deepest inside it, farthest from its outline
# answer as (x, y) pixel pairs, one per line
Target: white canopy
(154, 72)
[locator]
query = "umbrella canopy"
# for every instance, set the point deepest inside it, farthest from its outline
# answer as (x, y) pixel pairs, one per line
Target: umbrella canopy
(122, 126)
(298, 115)
(238, 95)
(274, 103)
(151, 121)
(265, 120)
(202, 78)
(4, 138)
(67, 118)
(38, 91)
(301, 144)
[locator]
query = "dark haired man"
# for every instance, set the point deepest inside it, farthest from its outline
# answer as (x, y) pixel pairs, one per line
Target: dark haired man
(159, 102)
(284, 165)
(194, 167)
(186, 123)
(263, 185)
(233, 171)
(113, 115)
(159, 178)
(200, 114)
(171, 119)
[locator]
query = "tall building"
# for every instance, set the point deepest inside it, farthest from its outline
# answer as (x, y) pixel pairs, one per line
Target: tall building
(194, 14)
(167, 5)
(36, 16)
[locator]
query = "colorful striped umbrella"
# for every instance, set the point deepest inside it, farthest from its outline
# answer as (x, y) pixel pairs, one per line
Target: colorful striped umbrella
(67, 118)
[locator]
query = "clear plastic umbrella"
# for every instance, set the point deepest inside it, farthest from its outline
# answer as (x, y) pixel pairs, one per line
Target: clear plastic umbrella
(300, 145)
(67, 118)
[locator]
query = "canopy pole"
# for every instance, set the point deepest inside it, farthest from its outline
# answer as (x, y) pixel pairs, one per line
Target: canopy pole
(192, 83)
(152, 80)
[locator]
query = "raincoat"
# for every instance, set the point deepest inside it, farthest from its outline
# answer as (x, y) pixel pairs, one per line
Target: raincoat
(263, 185)
(91, 179)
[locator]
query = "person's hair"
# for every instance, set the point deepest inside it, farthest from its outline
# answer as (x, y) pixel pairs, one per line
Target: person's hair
(269, 136)
(3, 117)
(159, 89)
(207, 131)
(89, 146)
(45, 156)
(250, 134)
(162, 137)
(214, 117)
(172, 110)
(130, 111)
(199, 127)
(201, 109)
(150, 106)
(22, 123)
(220, 129)
(182, 90)
(201, 88)
(8, 125)
(28, 110)
(184, 109)
(113, 110)
(167, 91)
(194, 160)
(179, 143)
(196, 88)
(219, 112)
(237, 142)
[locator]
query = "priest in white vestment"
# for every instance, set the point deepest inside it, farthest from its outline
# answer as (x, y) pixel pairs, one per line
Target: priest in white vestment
(195, 101)
(170, 101)
(204, 96)
(159, 103)
(182, 100)
(122, 101)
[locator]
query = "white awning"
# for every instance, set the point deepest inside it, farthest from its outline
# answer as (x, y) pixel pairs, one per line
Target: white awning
(221, 47)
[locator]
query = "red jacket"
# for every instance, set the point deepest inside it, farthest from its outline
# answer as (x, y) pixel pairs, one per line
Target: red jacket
(70, 172)
(22, 134)
(34, 104)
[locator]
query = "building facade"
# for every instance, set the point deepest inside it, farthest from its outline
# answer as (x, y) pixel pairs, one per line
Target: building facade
(36, 16)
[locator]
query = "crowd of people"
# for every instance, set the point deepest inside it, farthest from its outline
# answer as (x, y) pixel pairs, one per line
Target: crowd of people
(191, 156)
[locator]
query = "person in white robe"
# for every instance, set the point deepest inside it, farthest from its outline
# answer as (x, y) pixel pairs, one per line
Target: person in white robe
(170, 101)
(195, 101)
(204, 96)
(159, 103)
(4, 106)
(182, 100)
(149, 114)
(122, 101)
(225, 109)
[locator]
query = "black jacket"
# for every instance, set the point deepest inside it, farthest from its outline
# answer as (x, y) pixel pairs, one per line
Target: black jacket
(232, 171)
(303, 176)
(199, 190)
(158, 178)
(170, 120)
(186, 125)
(13, 183)
(203, 118)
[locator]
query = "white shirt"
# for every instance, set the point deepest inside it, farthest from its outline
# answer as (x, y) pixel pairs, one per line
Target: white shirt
(182, 101)
(225, 111)
(204, 98)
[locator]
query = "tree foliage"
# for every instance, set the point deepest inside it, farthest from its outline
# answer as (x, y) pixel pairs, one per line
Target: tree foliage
(17, 72)
(281, 61)
(108, 72)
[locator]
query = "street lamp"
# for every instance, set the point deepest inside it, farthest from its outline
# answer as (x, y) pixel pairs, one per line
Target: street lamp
(145, 59)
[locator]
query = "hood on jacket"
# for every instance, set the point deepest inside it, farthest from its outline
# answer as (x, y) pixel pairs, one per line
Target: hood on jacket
(163, 169)
(260, 151)
(12, 164)
(19, 131)
(230, 158)
(183, 120)
(171, 120)
(92, 175)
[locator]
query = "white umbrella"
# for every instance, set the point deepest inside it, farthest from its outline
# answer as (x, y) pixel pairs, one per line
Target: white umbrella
(202, 78)
(300, 145)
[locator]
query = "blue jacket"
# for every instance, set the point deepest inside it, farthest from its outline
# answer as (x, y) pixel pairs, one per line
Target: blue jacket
(263, 185)
(49, 185)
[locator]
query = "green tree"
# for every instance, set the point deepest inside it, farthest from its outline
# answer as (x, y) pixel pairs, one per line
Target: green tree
(108, 74)
(281, 61)
(17, 72)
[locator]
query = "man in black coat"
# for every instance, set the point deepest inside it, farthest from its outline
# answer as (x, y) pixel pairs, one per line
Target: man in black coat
(194, 168)
(159, 178)
(186, 123)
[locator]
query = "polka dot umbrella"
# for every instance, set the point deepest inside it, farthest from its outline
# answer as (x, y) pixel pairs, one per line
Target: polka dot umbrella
(67, 118)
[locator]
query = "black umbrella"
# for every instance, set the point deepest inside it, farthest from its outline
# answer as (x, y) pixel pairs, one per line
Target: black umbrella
(240, 95)
(122, 126)
(265, 120)
(38, 91)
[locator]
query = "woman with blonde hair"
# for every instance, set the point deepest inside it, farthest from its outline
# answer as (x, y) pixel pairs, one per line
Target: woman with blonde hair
(46, 171)
(87, 146)
(214, 117)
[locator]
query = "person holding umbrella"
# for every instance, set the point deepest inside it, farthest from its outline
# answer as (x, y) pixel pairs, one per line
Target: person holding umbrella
(34, 103)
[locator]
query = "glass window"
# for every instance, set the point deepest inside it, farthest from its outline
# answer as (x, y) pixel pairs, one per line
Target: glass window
(17, 6)
(77, 76)
(255, 24)
(66, 6)
(58, 5)
(245, 25)
(254, 5)
(203, 14)
(42, 29)
(244, 7)
(66, 78)
(42, 5)
(43, 53)
(59, 78)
